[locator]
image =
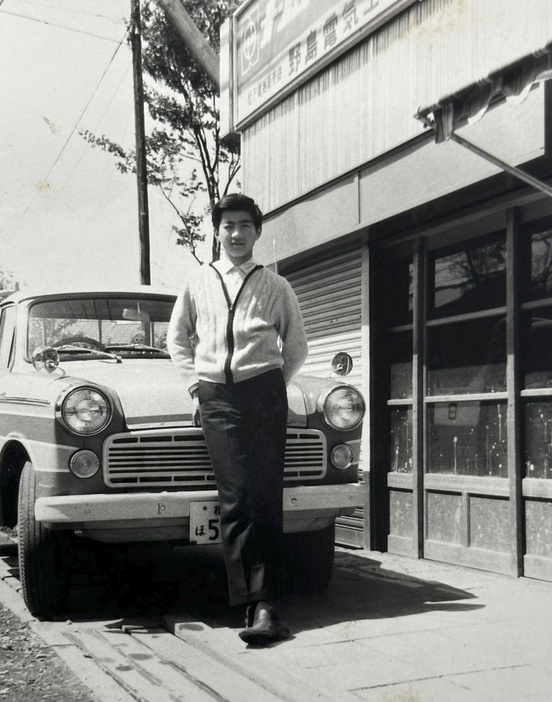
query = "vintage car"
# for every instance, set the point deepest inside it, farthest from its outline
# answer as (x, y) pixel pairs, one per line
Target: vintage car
(97, 440)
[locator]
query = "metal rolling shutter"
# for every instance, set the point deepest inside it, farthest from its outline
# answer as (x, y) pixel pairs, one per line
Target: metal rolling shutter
(330, 296)
(329, 293)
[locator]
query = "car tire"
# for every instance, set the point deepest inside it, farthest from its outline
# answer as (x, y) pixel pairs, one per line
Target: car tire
(41, 564)
(310, 560)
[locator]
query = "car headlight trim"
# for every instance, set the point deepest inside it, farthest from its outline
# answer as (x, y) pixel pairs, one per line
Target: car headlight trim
(342, 456)
(343, 408)
(84, 464)
(85, 411)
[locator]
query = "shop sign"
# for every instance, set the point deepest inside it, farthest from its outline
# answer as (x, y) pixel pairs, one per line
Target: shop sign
(279, 43)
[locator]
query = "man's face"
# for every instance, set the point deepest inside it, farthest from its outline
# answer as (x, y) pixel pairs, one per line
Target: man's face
(237, 235)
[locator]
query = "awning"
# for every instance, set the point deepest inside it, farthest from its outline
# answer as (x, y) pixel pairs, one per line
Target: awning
(468, 106)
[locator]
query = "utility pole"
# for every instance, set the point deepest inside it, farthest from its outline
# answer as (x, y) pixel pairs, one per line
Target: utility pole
(141, 165)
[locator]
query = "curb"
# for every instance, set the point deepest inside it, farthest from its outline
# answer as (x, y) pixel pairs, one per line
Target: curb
(101, 685)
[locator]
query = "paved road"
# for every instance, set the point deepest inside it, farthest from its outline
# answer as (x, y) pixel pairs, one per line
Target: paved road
(153, 625)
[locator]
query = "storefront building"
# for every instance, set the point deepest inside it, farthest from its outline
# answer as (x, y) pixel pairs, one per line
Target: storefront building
(401, 153)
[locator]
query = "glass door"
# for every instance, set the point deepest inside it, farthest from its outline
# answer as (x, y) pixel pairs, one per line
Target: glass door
(536, 393)
(466, 486)
(439, 363)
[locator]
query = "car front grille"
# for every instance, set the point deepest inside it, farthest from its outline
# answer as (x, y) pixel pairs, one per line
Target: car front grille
(166, 458)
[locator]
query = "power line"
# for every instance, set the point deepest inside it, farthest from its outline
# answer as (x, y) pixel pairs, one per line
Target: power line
(87, 146)
(75, 126)
(61, 8)
(59, 26)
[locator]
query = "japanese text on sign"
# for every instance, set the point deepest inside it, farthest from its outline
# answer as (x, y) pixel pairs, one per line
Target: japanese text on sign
(280, 40)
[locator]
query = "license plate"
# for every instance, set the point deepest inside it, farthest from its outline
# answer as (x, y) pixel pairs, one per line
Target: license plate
(205, 522)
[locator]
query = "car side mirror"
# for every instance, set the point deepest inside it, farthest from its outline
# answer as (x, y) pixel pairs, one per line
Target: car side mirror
(342, 364)
(45, 358)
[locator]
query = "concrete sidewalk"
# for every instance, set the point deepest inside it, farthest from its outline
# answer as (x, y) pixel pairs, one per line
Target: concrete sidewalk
(395, 630)
(389, 629)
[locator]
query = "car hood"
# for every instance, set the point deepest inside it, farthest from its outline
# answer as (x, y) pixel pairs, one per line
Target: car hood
(151, 391)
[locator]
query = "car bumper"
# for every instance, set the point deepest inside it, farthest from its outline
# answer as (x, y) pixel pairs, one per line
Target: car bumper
(166, 515)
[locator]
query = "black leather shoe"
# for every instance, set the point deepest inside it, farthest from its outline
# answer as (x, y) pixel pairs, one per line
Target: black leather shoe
(266, 627)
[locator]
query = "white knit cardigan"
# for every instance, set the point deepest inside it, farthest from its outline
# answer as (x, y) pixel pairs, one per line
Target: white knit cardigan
(210, 338)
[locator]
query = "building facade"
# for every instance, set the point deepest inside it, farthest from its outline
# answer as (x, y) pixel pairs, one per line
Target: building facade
(401, 151)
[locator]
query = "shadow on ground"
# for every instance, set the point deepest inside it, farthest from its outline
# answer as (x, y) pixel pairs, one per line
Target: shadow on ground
(362, 590)
(110, 581)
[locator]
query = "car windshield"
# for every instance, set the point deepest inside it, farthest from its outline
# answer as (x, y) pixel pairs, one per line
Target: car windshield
(86, 327)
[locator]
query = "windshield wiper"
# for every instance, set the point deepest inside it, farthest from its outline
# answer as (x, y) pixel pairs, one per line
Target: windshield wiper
(69, 348)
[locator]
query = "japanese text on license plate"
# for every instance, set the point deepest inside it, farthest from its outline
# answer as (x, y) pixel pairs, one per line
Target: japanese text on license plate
(205, 522)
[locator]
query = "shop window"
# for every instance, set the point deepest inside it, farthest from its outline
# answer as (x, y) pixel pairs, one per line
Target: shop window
(468, 438)
(536, 353)
(468, 278)
(467, 357)
(538, 439)
(541, 264)
(401, 440)
(396, 291)
(537, 348)
(399, 347)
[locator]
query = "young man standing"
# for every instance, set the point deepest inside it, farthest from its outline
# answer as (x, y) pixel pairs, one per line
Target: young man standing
(236, 337)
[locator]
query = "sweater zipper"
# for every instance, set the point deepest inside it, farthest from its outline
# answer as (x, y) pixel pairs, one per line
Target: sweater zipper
(230, 322)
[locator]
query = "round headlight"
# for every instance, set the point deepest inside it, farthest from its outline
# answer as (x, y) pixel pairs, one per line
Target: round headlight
(343, 408)
(84, 464)
(85, 411)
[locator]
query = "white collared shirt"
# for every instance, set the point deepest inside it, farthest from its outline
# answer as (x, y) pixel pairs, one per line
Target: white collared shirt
(232, 275)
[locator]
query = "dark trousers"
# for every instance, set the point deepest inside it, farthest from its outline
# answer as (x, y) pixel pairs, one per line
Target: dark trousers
(245, 430)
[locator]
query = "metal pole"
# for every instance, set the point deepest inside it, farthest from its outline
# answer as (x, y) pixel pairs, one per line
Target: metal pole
(512, 170)
(141, 166)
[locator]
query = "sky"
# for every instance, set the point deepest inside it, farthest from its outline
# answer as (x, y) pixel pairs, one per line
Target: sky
(67, 215)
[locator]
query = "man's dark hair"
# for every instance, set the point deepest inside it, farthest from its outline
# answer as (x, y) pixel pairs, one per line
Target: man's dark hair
(235, 202)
